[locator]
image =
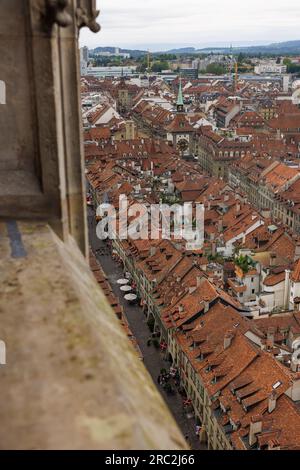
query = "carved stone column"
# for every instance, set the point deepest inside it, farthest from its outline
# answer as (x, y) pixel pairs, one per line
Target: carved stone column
(41, 152)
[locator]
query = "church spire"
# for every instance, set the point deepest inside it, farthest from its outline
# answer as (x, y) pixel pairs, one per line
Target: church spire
(179, 104)
(122, 77)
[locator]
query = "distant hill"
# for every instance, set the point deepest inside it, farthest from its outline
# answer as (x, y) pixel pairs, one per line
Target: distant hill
(289, 47)
(182, 50)
(280, 48)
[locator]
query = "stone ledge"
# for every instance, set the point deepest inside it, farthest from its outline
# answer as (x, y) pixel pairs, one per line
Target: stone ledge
(72, 379)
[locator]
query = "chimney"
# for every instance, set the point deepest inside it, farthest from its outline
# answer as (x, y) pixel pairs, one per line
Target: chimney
(286, 289)
(220, 224)
(152, 250)
(255, 428)
(272, 402)
(295, 362)
(192, 289)
(273, 258)
(266, 213)
(180, 308)
(228, 339)
(270, 336)
(297, 252)
(238, 206)
(206, 306)
(278, 134)
(297, 303)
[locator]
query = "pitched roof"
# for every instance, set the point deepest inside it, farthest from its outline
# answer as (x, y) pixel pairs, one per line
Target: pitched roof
(180, 123)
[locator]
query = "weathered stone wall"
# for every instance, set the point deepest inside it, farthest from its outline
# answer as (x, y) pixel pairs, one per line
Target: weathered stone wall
(72, 378)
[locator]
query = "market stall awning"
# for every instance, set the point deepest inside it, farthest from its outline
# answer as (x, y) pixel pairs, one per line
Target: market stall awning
(126, 288)
(122, 281)
(130, 297)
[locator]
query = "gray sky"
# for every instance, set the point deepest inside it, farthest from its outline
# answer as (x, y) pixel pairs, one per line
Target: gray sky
(161, 24)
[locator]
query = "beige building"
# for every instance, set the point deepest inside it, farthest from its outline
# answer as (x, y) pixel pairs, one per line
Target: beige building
(274, 187)
(216, 154)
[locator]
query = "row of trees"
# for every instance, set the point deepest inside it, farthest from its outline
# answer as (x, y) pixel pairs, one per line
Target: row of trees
(291, 68)
(112, 61)
(156, 66)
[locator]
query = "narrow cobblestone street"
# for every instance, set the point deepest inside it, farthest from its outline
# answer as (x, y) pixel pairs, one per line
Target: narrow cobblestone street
(153, 358)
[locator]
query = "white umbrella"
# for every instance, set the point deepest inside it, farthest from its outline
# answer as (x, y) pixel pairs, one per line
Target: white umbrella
(130, 297)
(122, 281)
(126, 288)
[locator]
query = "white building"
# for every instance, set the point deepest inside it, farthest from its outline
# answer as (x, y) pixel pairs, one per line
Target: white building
(294, 286)
(83, 68)
(274, 290)
(84, 58)
(270, 66)
(84, 53)
(116, 53)
(286, 83)
(111, 71)
(105, 114)
(227, 249)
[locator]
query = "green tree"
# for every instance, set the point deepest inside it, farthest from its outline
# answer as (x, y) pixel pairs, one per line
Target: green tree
(165, 57)
(158, 66)
(245, 263)
(215, 69)
(142, 67)
(241, 58)
(291, 68)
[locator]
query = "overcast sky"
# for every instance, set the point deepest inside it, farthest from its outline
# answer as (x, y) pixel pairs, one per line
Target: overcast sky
(161, 24)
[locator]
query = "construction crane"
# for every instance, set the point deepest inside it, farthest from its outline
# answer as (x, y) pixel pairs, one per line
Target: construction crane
(236, 76)
(148, 61)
